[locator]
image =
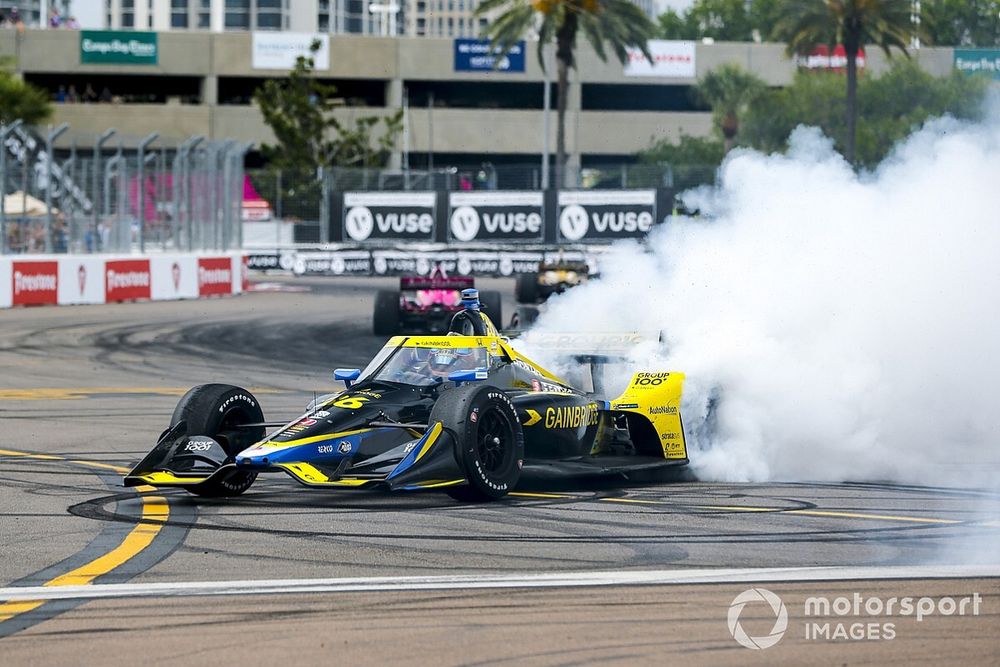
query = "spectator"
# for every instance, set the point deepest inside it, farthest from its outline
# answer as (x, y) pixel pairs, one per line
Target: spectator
(61, 95)
(73, 24)
(71, 95)
(55, 18)
(89, 94)
(106, 95)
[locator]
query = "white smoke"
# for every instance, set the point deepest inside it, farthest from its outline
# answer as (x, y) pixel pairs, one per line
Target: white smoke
(850, 324)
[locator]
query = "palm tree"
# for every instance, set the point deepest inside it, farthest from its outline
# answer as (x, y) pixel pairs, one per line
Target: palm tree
(729, 90)
(886, 23)
(618, 23)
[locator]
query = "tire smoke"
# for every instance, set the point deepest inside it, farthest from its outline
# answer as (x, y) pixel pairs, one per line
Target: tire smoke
(843, 326)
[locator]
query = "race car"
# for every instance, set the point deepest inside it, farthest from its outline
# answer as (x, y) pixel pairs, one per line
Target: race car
(426, 303)
(464, 412)
(553, 277)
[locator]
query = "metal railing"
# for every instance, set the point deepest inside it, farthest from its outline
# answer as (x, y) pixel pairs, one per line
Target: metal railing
(117, 194)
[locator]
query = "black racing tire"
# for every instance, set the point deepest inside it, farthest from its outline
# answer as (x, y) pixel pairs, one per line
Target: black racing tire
(492, 305)
(215, 410)
(489, 442)
(526, 288)
(526, 316)
(385, 320)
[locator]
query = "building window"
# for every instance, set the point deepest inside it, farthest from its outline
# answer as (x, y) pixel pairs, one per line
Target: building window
(237, 14)
(128, 20)
(177, 20)
(204, 21)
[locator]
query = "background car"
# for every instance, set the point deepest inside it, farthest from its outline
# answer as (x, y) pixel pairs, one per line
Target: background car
(427, 303)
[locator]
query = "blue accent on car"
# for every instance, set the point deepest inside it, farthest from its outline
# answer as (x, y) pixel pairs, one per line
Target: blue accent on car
(410, 458)
(347, 375)
(470, 299)
(471, 375)
(335, 448)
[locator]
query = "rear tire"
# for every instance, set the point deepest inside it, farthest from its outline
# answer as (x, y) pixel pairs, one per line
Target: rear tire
(526, 288)
(489, 442)
(216, 410)
(493, 307)
(526, 316)
(385, 320)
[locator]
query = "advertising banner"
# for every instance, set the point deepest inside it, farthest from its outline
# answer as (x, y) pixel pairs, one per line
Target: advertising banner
(215, 275)
(6, 283)
(821, 58)
(280, 50)
(174, 277)
(342, 263)
(496, 216)
(978, 61)
(671, 58)
(81, 280)
(127, 279)
(476, 55)
(118, 47)
(587, 216)
(35, 283)
(372, 217)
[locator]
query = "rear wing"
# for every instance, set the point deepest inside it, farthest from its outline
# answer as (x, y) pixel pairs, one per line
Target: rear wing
(609, 345)
(421, 283)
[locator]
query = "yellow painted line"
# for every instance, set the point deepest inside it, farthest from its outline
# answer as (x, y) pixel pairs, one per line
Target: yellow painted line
(632, 500)
(525, 494)
(155, 513)
(882, 517)
(740, 508)
(76, 393)
(95, 464)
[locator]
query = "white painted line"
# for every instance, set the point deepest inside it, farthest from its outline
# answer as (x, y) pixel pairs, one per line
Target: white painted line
(487, 581)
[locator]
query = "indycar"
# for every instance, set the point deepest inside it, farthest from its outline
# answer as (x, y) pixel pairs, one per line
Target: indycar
(426, 303)
(552, 277)
(465, 412)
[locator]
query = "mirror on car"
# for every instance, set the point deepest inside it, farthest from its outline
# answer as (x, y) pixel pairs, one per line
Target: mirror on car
(471, 375)
(347, 375)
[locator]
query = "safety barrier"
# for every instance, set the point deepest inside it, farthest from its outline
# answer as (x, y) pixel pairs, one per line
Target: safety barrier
(95, 279)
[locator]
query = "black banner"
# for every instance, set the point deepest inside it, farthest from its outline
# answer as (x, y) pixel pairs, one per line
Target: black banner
(605, 215)
(496, 216)
(379, 217)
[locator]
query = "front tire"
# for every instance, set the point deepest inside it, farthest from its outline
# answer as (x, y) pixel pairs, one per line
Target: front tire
(385, 319)
(217, 411)
(489, 442)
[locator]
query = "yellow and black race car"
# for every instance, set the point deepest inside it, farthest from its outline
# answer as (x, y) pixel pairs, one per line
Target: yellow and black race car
(463, 412)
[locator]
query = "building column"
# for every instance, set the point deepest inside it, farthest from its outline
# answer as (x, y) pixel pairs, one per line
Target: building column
(394, 102)
(573, 107)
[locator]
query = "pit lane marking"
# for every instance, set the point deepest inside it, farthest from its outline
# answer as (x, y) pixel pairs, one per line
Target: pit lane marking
(590, 578)
(155, 513)
(76, 393)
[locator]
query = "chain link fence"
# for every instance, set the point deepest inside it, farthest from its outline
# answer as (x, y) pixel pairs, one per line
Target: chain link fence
(117, 194)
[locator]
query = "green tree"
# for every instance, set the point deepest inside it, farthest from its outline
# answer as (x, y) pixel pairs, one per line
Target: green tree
(729, 90)
(853, 23)
(891, 107)
(619, 24)
(299, 109)
(722, 20)
(19, 99)
(963, 22)
(692, 160)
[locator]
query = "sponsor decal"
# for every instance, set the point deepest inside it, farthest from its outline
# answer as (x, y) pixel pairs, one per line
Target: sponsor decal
(175, 273)
(626, 406)
(127, 279)
(215, 275)
(478, 55)
(35, 283)
(605, 215)
(263, 262)
(199, 446)
(410, 446)
(649, 379)
(324, 449)
(320, 414)
(671, 58)
(345, 447)
(496, 216)
(351, 402)
(663, 410)
(573, 416)
(474, 415)
(118, 47)
(233, 399)
(389, 216)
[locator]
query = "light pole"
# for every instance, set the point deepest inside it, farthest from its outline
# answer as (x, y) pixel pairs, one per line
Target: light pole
(95, 194)
(54, 134)
(141, 198)
(4, 131)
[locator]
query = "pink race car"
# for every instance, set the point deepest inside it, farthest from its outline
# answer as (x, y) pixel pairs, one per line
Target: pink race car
(427, 303)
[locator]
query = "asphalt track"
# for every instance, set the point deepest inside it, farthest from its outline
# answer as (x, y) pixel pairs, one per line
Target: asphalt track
(585, 571)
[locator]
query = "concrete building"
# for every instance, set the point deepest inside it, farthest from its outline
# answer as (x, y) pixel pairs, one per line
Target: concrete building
(201, 83)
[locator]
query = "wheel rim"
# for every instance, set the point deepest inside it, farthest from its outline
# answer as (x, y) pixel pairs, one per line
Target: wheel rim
(494, 441)
(236, 437)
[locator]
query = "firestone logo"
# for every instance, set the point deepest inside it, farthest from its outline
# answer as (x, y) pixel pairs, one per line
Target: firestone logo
(118, 280)
(213, 276)
(40, 282)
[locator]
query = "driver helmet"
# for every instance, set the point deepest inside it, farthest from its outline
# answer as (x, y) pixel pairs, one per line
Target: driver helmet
(443, 361)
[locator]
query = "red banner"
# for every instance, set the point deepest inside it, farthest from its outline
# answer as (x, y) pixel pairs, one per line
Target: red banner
(35, 283)
(215, 275)
(127, 279)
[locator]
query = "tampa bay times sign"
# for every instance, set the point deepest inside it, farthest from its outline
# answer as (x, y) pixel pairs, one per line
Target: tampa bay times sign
(118, 47)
